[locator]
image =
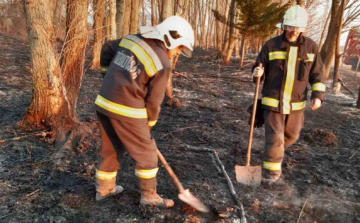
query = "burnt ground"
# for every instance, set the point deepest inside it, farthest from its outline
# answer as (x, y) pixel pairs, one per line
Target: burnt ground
(321, 170)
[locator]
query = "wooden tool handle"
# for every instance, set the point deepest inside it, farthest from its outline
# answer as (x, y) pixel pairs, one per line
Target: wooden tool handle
(256, 94)
(171, 173)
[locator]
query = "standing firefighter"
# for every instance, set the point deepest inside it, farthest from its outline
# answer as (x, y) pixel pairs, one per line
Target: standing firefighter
(128, 104)
(290, 61)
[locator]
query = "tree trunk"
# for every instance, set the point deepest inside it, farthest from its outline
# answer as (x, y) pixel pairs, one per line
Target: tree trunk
(202, 24)
(47, 98)
(126, 18)
(59, 20)
(231, 32)
(328, 49)
(106, 26)
(226, 31)
(143, 13)
(134, 18)
(165, 9)
(112, 19)
(218, 31)
(119, 17)
(242, 49)
(300, 2)
(324, 29)
(153, 13)
(99, 9)
(73, 59)
(336, 83)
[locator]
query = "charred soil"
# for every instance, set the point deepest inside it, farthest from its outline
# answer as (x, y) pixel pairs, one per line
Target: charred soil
(321, 170)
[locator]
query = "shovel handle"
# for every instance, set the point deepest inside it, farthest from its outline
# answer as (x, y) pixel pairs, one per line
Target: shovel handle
(171, 173)
(256, 94)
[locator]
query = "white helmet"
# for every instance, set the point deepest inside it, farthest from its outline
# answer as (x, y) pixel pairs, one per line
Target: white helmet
(295, 18)
(173, 31)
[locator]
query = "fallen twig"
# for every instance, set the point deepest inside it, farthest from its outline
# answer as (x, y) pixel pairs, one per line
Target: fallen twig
(34, 192)
(180, 74)
(43, 134)
(353, 155)
(302, 209)
(179, 129)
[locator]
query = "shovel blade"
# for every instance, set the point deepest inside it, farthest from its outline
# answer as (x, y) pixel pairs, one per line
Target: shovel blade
(191, 200)
(248, 175)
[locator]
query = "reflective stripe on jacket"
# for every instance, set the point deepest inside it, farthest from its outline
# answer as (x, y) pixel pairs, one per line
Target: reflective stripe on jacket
(288, 70)
(135, 81)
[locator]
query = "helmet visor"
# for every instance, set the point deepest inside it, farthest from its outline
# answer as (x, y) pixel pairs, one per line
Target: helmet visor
(294, 28)
(186, 51)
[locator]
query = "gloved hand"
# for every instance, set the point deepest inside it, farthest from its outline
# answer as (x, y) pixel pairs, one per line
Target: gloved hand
(258, 71)
(259, 115)
(315, 103)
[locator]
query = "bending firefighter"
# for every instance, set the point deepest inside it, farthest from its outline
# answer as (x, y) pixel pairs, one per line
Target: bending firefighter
(128, 104)
(290, 61)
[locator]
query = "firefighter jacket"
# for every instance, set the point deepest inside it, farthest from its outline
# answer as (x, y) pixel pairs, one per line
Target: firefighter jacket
(288, 68)
(136, 78)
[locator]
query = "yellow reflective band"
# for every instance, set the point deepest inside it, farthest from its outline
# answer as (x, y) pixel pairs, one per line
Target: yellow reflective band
(120, 109)
(105, 175)
(298, 105)
(270, 102)
(146, 174)
(148, 50)
(152, 123)
(318, 87)
(290, 77)
(271, 166)
(103, 69)
(277, 55)
(140, 53)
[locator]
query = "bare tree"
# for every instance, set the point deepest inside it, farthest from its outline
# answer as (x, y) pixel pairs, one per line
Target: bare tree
(218, 31)
(46, 75)
(99, 10)
(119, 17)
(56, 90)
(126, 18)
(231, 32)
(134, 18)
(336, 82)
(143, 13)
(165, 10)
(328, 49)
(112, 19)
(324, 29)
(301, 3)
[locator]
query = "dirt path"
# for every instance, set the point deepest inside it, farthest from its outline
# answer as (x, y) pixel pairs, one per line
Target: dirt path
(321, 170)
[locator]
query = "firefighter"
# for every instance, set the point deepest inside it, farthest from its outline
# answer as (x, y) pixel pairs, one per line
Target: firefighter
(289, 62)
(128, 104)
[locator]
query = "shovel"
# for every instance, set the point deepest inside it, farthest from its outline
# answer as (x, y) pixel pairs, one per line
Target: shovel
(184, 195)
(250, 175)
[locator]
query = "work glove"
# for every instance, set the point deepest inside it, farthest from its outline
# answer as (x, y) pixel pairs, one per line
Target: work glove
(259, 115)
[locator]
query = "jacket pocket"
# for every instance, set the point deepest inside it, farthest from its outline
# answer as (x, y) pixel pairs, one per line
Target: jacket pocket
(304, 70)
